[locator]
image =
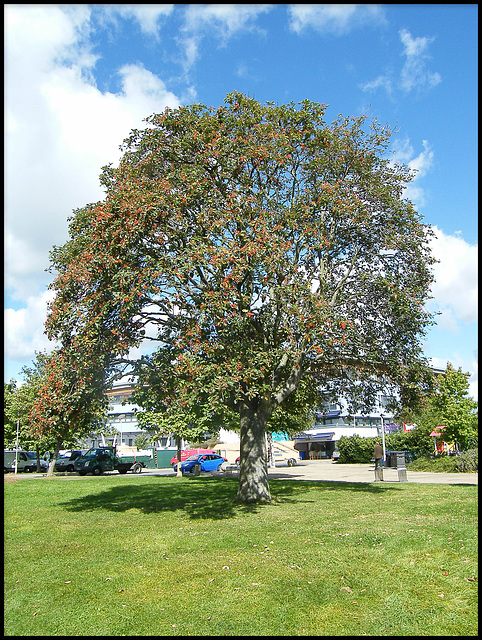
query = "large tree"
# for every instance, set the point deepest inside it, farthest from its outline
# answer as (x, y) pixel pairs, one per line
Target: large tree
(259, 246)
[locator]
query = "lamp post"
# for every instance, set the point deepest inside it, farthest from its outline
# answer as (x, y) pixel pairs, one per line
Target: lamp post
(16, 447)
(383, 440)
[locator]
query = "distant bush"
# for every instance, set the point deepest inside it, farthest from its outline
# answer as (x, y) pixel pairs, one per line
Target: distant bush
(356, 449)
(468, 461)
(417, 441)
(438, 464)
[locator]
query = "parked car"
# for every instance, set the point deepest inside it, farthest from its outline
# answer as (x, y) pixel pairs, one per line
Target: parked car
(279, 458)
(33, 457)
(202, 462)
(190, 452)
(26, 461)
(66, 462)
(336, 455)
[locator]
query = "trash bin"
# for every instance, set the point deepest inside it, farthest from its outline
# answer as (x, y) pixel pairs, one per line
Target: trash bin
(399, 459)
(396, 459)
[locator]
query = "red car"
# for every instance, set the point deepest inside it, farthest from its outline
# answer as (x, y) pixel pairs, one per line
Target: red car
(190, 452)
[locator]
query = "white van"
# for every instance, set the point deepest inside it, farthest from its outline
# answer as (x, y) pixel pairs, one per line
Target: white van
(26, 461)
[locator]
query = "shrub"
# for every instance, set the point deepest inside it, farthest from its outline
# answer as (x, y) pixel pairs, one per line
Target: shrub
(439, 464)
(468, 461)
(418, 441)
(356, 449)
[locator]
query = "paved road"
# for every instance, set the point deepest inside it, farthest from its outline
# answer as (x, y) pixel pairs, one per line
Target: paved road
(325, 470)
(334, 471)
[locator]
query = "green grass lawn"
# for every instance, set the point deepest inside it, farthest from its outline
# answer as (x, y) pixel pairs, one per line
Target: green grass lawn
(151, 555)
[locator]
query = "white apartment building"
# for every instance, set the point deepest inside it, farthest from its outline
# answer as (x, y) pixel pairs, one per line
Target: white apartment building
(122, 427)
(331, 422)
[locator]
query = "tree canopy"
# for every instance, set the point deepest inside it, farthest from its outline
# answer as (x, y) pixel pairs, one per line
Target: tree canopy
(19, 400)
(258, 246)
(69, 398)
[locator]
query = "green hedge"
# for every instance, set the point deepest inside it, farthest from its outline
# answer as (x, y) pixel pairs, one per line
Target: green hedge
(355, 449)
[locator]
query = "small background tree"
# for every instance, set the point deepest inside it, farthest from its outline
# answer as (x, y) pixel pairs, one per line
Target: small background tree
(70, 401)
(457, 410)
(19, 401)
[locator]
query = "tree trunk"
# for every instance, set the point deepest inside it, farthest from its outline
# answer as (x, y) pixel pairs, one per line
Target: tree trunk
(50, 471)
(253, 473)
(37, 451)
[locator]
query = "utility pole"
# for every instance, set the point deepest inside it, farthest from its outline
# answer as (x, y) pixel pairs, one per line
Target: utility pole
(16, 446)
(383, 441)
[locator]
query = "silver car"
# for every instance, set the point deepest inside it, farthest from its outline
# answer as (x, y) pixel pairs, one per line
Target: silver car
(33, 467)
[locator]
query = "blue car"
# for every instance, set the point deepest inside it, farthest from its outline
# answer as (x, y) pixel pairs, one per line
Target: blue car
(201, 462)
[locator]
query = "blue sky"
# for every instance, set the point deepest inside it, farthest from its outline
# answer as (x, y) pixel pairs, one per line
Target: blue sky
(78, 78)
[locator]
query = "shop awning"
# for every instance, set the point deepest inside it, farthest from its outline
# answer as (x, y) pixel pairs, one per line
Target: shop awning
(313, 437)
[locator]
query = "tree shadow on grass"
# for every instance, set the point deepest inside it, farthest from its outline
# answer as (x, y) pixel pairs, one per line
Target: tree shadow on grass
(202, 497)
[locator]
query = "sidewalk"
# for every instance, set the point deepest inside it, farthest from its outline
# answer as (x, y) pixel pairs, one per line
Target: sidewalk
(321, 470)
(336, 472)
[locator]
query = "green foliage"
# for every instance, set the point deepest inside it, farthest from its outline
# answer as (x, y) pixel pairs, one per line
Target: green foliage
(160, 390)
(296, 413)
(182, 424)
(70, 401)
(448, 404)
(356, 449)
(142, 441)
(468, 460)
(457, 410)
(438, 464)
(417, 441)
(10, 414)
(19, 402)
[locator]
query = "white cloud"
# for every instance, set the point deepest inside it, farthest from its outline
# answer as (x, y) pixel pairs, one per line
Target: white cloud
(24, 333)
(423, 162)
(147, 15)
(404, 152)
(415, 74)
(222, 20)
(227, 19)
(455, 290)
(455, 294)
(60, 130)
(336, 19)
(382, 81)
